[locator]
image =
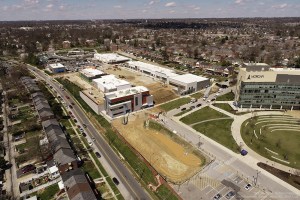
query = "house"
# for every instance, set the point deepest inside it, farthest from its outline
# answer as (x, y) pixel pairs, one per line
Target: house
(77, 185)
(65, 160)
(56, 68)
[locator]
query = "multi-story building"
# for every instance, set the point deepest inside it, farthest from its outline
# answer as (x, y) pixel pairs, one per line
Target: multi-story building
(128, 100)
(260, 86)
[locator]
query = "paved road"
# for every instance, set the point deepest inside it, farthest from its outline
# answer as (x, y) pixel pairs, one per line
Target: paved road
(242, 165)
(135, 190)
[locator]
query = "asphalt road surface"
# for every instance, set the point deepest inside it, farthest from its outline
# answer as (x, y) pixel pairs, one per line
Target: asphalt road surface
(124, 175)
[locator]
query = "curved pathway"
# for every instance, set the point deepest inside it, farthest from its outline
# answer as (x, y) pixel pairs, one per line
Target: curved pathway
(252, 155)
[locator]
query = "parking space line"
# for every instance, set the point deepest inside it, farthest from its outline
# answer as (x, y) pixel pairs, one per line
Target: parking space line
(210, 190)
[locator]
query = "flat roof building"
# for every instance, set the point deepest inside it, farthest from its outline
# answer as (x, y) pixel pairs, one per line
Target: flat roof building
(89, 74)
(260, 86)
(110, 83)
(111, 58)
(185, 83)
(188, 83)
(127, 100)
(56, 68)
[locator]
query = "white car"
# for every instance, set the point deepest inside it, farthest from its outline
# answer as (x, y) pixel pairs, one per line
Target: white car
(90, 143)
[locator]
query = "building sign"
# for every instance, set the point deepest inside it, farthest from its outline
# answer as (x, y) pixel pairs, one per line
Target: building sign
(255, 76)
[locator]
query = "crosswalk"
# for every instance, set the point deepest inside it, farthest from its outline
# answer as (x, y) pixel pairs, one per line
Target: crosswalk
(203, 181)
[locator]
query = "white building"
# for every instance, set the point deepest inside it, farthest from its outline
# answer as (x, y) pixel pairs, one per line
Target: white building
(151, 70)
(186, 83)
(56, 68)
(90, 73)
(54, 173)
(111, 58)
(128, 100)
(110, 83)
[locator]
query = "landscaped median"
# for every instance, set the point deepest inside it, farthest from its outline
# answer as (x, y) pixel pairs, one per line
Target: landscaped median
(175, 104)
(214, 125)
(139, 166)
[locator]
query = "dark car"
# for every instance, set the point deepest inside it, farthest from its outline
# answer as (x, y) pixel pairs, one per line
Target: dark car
(73, 103)
(28, 168)
(83, 133)
(183, 109)
(70, 106)
(198, 105)
(230, 194)
(98, 155)
(84, 125)
(115, 180)
(244, 152)
(217, 196)
(192, 107)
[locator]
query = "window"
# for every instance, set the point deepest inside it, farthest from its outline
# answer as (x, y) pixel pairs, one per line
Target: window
(136, 101)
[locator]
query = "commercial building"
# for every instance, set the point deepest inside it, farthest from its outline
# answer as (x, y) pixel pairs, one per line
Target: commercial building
(56, 68)
(260, 86)
(89, 74)
(127, 100)
(185, 83)
(189, 83)
(111, 58)
(110, 83)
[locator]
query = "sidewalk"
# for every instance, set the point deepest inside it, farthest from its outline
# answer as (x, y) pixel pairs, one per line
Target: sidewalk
(236, 133)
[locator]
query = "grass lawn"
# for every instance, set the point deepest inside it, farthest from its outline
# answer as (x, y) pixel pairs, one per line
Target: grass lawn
(220, 131)
(49, 192)
(202, 114)
(183, 112)
(284, 142)
(226, 97)
(164, 193)
(197, 95)
(89, 167)
(175, 104)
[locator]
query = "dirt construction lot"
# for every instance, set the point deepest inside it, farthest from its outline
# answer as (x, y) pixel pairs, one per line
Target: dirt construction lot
(171, 159)
(161, 93)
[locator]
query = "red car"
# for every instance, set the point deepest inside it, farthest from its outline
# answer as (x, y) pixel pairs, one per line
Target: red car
(67, 97)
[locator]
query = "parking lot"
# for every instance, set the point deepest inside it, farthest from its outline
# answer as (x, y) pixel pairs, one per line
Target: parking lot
(219, 178)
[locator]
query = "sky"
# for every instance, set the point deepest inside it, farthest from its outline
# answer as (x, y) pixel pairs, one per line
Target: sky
(12, 10)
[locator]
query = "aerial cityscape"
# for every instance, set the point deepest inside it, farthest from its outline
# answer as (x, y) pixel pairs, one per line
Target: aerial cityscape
(150, 99)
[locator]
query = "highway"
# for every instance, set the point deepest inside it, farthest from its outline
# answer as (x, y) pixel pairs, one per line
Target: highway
(125, 177)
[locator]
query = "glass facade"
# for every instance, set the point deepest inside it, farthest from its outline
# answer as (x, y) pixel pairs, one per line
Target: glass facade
(269, 95)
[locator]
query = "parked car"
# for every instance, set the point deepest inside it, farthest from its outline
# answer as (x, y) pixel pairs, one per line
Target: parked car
(183, 109)
(75, 120)
(83, 133)
(84, 125)
(192, 107)
(70, 106)
(73, 103)
(198, 105)
(90, 143)
(244, 152)
(28, 168)
(230, 194)
(67, 97)
(248, 186)
(115, 180)
(98, 154)
(217, 196)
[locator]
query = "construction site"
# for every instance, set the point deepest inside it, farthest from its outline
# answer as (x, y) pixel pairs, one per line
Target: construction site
(170, 156)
